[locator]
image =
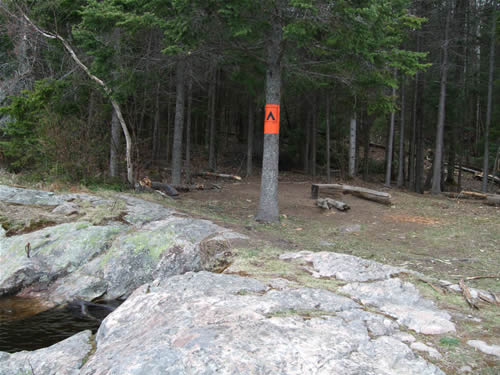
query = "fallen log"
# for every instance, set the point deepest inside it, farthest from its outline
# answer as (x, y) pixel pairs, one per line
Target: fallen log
(220, 175)
(369, 194)
(188, 188)
(152, 186)
(165, 188)
(493, 200)
(328, 203)
(465, 169)
(465, 195)
(479, 176)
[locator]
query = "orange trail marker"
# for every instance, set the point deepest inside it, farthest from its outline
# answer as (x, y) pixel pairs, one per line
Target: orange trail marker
(272, 119)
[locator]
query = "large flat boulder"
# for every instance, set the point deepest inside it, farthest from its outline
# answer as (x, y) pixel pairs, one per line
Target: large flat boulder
(402, 301)
(204, 323)
(344, 267)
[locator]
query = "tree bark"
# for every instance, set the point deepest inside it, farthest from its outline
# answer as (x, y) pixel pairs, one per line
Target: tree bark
(251, 108)
(390, 142)
(24, 72)
(486, 153)
(307, 143)
(314, 131)
(401, 164)
(438, 153)
(169, 118)
(115, 123)
(178, 124)
(366, 145)
(328, 172)
(268, 205)
(156, 124)
(115, 146)
(188, 125)
(352, 146)
(413, 142)
(211, 144)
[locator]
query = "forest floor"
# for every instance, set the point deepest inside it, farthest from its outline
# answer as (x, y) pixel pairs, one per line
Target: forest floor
(442, 238)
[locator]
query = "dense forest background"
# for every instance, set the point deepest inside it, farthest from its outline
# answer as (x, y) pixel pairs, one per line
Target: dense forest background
(93, 89)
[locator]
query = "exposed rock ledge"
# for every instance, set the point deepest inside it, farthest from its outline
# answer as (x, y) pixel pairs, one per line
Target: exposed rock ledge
(205, 323)
(131, 242)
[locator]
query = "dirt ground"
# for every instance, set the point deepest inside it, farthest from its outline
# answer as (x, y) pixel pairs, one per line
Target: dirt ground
(450, 237)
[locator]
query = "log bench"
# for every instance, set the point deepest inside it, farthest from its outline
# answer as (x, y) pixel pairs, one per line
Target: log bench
(369, 194)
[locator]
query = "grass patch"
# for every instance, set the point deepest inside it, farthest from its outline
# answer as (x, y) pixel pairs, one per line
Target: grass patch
(449, 342)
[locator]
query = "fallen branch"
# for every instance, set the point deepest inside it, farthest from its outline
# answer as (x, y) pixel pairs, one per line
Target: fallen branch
(486, 299)
(328, 203)
(467, 295)
(482, 277)
(439, 290)
(220, 175)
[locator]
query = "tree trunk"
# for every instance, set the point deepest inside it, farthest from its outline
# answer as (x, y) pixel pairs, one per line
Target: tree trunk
(169, 116)
(115, 146)
(413, 142)
(251, 108)
(211, 144)
(307, 143)
(314, 131)
(188, 125)
(268, 205)
(438, 153)
(401, 166)
(390, 142)
(178, 124)
(419, 156)
(24, 71)
(490, 96)
(366, 146)
(352, 146)
(328, 173)
(156, 124)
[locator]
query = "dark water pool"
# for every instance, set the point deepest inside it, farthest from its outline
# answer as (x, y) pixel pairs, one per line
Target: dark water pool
(24, 327)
